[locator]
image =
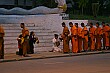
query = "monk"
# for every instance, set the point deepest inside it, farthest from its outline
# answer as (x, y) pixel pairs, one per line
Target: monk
(79, 39)
(71, 25)
(106, 30)
(109, 36)
(25, 44)
(74, 37)
(98, 35)
(73, 32)
(66, 38)
(85, 37)
(92, 37)
(2, 33)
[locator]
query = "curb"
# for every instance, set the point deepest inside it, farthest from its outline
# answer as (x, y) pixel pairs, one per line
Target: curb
(54, 56)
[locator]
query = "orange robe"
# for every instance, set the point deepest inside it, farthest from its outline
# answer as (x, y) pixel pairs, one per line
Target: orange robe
(74, 33)
(109, 36)
(2, 33)
(98, 34)
(106, 30)
(25, 45)
(66, 39)
(92, 36)
(1, 42)
(79, 39)
(85, 38)
(25, 32)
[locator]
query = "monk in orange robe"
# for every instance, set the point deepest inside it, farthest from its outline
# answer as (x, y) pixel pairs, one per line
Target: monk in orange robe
(74, 34)
(71, 29)
(25, 44)
(2, 33)
(66, 38)
(79, 39)
(85, 37)
(92, 37)
(98, 35)
(106, 30)
(74, 39)
(109, 38)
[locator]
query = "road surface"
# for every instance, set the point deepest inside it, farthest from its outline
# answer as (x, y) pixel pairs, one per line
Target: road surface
(99, 63)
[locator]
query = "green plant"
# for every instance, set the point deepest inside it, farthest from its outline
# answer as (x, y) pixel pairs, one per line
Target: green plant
(83, 4)
(95, 9)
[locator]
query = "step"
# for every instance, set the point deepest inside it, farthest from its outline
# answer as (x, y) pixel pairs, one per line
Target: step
(40, 44)
(36, 31)
(13, 35)
(15, 45)
(18, 28)
(16, 33)
(15, 41)
(12, 28)
(27, 25)
(14, 48)
(37, 34)
(46, 49)
(39, 37)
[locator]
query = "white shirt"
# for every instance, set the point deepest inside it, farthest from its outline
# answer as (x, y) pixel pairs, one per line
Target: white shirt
(55, 48)
(54, 42)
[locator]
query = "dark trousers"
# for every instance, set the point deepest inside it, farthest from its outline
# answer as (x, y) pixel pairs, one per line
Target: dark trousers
(31, 49)
(20, 51)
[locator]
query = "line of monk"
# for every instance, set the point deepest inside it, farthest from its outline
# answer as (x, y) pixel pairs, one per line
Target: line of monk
(84, 39)
(81, 38)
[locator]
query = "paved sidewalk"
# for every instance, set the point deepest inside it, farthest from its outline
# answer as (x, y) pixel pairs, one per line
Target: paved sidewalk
(44, 55)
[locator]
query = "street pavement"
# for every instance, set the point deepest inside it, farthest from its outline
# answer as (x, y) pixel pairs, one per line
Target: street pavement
(44, 55)
(96, 63)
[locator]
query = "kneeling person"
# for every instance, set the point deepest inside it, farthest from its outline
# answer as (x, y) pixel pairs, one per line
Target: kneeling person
(56, 43)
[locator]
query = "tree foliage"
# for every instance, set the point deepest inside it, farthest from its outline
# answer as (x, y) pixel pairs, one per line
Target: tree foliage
(95, 9)
(83, 4)
(47, 3)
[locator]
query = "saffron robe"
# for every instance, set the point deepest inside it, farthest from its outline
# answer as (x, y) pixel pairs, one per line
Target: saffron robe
(66, 39)
(92, 36)
(98, 34)
(85, 38)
